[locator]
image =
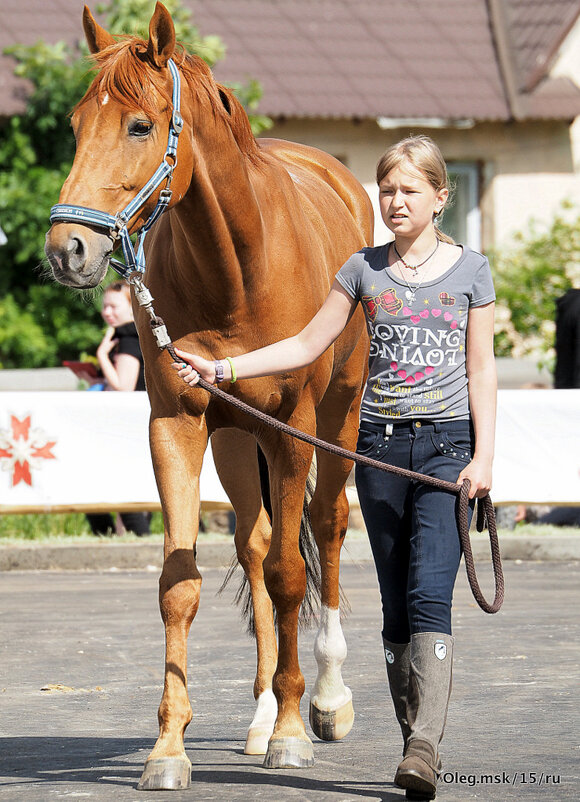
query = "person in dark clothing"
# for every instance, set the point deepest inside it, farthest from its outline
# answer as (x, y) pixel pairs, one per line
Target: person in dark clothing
(567, 375)
(121, 364)
(119, 353)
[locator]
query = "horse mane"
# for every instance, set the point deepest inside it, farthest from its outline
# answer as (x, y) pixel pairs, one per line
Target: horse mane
(125, 74)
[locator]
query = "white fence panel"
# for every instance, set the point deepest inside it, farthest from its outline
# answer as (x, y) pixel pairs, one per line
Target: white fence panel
(90, 451)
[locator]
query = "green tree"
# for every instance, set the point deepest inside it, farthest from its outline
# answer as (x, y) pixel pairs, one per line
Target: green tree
(36, 152)
(40, 323)
(542, 265)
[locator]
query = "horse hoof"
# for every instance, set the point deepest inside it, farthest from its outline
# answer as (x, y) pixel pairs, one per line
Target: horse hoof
(289, 753)
(332, 725)
(165, 774)
(257, 741)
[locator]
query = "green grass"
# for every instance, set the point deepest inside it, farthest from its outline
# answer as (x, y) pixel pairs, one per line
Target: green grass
(62, 526)
(73, 527)
(35, 527)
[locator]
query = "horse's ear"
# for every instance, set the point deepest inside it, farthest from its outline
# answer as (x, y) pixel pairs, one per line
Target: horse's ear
(97, 38)
(161, 36)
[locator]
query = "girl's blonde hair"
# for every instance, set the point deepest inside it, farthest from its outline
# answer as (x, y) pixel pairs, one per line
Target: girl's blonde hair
(424, 155)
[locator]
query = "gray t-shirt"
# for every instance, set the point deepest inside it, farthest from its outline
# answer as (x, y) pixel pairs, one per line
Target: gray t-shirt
(418, 335)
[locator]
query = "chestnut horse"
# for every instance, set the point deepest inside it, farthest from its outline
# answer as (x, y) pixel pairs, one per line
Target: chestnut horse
(244, 256)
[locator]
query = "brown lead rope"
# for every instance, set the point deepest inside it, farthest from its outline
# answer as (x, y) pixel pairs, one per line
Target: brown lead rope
(485, 509)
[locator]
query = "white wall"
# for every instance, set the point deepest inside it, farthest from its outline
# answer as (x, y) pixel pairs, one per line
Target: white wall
(520, 198)
(527, 169)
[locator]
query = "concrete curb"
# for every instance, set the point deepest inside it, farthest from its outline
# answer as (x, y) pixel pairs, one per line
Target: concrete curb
(109, 556)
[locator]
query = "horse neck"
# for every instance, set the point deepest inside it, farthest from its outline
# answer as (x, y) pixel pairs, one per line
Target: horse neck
(217, 227)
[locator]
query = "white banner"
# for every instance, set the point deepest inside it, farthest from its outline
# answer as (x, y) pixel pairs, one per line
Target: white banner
(537, 447)
(90, 451)
(82, 450)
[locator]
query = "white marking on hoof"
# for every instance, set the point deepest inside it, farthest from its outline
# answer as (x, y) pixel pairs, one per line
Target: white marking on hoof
(262, 726)
(334, 724)
(330, 694)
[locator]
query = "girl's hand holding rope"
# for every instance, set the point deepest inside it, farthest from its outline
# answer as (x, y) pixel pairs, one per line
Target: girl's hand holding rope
(193, 367)
(478, 472)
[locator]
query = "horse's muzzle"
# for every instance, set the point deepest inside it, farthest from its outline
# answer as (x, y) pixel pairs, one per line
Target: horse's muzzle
(78, 257)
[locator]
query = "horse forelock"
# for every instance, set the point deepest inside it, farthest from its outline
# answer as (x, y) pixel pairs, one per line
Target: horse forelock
(125, 75)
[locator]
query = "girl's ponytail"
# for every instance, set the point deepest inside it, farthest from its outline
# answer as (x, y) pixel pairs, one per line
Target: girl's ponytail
(442, 237)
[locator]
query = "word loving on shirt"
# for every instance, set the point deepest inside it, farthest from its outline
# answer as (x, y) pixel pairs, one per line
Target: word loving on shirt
(415, 345)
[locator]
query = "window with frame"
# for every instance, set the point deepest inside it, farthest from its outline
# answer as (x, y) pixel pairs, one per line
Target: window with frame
(462, 217)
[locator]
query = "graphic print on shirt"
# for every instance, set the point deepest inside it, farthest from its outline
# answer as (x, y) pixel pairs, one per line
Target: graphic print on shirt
(422, 344)
(386, 300)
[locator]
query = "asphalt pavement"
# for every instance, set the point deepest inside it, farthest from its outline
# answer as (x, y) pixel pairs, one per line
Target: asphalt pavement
(81, 676)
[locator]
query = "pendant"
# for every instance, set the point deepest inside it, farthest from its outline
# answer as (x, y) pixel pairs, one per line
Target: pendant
(410, 295)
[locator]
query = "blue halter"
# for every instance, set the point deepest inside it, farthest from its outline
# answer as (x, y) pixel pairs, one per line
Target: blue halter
(116, 224)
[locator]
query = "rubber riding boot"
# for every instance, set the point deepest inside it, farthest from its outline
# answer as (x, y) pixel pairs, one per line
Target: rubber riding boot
(428, 699)
(398, 659)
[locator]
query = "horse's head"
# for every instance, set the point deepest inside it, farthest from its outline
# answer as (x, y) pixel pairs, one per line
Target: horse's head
(121, 128)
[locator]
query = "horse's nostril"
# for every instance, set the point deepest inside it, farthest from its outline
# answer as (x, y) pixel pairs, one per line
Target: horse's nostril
(77, 252)
(77, 246)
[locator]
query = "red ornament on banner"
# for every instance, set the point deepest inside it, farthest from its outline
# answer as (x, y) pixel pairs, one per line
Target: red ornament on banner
(22, 448)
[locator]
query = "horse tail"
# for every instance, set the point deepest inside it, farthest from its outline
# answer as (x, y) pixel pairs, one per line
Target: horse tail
(308, 550)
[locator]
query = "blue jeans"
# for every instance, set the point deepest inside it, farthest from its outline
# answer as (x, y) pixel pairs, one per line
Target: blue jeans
(412, 526)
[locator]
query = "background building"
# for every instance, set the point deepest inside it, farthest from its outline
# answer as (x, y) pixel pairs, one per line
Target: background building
(495, 82)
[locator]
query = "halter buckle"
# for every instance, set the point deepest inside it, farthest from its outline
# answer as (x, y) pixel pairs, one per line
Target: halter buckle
(165, 196)
(118, 226)
(177, 122)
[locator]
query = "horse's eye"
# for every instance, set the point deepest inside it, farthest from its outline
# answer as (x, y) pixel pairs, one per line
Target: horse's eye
(140, 127)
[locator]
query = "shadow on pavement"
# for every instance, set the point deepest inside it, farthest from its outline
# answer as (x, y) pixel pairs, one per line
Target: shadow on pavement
(107, 762)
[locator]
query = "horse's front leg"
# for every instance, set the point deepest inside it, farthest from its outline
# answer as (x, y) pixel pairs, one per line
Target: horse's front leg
(177, 448)
(331, 708)
(285, 576)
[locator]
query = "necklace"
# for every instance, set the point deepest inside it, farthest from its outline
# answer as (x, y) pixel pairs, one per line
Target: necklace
(415, 268)
(412, 291)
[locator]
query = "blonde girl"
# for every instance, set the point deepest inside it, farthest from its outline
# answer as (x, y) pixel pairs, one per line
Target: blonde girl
(428, 406)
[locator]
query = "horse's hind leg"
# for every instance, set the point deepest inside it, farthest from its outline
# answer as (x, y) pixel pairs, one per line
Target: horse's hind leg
(235, 456)
(285, 576)
(331, 709)
(177, 447)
